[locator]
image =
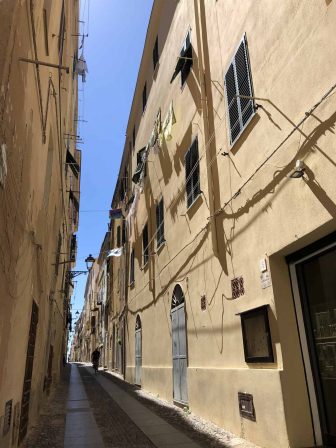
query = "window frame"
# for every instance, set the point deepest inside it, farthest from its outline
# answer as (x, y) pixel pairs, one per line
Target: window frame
(119, 236)
(160, 239)
(132, 267)
(156, 55)
(144, 97)
(194, 195)
(260, 311)
(249, 73)
(145, 248)
(184, 76)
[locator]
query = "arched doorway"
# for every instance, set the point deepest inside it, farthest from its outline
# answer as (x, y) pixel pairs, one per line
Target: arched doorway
(179, 342)
(138, 350)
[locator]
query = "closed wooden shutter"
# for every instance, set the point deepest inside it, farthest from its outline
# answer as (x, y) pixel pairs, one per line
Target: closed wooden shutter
(238, 81)
(159, 223)
(192, 173)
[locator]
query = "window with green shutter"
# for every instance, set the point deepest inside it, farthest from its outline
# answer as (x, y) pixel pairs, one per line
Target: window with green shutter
(192, 173)
(145, 248)
(238, 84)
(159, 224)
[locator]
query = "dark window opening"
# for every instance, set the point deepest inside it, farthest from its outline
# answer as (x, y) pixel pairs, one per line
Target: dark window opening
(145, 248)
(123, 236)
(192, 173)
(155, 53)
(45, 28)
(238, 83)
(160, 224)
(132, 277)
(184, 62)
(61, 33)
(144, 97)
(118, 237)
(141, 166)
(93, 324)
(133, 137)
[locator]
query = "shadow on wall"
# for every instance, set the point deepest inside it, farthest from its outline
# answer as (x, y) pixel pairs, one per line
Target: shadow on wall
(309, 145)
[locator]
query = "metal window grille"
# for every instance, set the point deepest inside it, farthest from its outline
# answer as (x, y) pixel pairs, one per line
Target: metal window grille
(238, 82)
(160, 223)
(192, 173)
(145, 250)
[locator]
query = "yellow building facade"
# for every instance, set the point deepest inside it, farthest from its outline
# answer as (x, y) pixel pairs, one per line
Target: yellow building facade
(39, 201)
(227, 191)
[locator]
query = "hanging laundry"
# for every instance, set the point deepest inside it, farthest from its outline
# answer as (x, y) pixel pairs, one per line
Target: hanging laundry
(133, 210)
(116, 213)
(157, 129)
(3, 164)
(117, 252)
(168, 123)
(81, 67)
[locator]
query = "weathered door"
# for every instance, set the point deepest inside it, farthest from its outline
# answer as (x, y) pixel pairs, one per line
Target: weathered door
(314, 293)
(28, 373)
(179, 340)
(138, 351)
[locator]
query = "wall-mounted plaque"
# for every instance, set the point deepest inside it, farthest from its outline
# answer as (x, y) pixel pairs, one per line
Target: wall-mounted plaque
(256, 335)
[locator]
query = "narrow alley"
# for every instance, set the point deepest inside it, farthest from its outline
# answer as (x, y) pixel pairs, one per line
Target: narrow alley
(101, 410)
(167, 224)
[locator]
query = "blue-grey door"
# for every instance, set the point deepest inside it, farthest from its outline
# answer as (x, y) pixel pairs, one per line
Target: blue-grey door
(179, 340)
(138, 351)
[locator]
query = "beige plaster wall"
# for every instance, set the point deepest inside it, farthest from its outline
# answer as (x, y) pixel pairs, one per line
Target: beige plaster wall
(291, 56)
(33, 204)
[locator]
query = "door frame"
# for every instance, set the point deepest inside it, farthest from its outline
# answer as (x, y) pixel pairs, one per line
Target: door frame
(175, 310)
(138, 331)
(312, 394)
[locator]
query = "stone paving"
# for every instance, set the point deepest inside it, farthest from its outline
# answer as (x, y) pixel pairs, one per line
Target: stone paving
(101, 410)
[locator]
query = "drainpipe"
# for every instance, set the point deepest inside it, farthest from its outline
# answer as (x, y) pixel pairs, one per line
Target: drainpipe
(217, 231)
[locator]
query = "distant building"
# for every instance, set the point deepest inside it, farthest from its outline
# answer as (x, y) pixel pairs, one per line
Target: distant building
(223, 298)
(39, 201)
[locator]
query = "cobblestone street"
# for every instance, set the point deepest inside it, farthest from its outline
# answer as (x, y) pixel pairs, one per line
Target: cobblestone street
(101, 410)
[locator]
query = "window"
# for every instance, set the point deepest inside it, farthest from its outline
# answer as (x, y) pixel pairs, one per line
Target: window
(159, 224)
(155, 53)
(118, 237)
(123, 236)
(144, 97)
(192, 173)
(132, 278)
(61, 33)
(238, 81)
(256, 335)
(141, 165)
(185, 61)
(133, 136)
(45, 28)
(145, 249)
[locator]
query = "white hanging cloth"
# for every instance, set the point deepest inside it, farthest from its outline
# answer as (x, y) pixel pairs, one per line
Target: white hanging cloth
(133, 210)
(168, 123)
(81, 67)
(117, 252)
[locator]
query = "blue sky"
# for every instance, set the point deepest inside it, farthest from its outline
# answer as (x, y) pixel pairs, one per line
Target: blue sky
(117, 30)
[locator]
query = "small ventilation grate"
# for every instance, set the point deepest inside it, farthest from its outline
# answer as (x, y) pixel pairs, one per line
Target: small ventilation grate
(246, 406)
(7, 417)
(237, 287)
